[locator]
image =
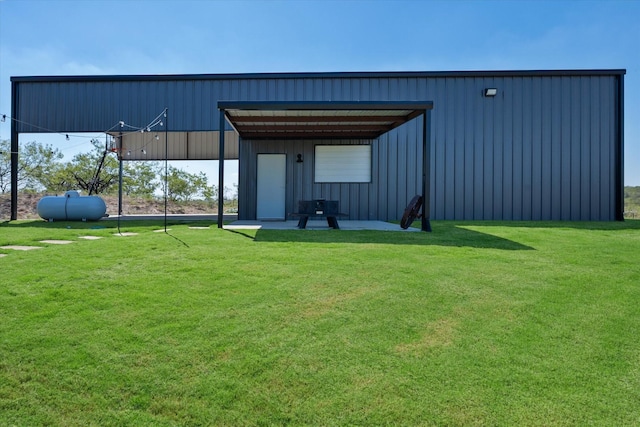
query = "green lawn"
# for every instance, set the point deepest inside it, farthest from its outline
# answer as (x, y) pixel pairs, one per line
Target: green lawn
(484, 323)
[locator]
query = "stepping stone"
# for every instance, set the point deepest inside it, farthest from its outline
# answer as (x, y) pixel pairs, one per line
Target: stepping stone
(161, 231)
(57, 242)
(199, 228)
(89, 237)
(21, 248)
(3, 255)
(125, 234)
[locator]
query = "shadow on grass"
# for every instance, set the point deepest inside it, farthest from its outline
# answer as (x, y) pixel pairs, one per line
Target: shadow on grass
(444, 234)
(628, 224)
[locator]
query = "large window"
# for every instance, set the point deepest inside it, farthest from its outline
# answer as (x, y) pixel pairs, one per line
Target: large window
(343, 163)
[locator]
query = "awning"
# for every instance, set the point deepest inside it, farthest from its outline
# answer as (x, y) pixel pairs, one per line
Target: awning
(318, 120)
(323, 120)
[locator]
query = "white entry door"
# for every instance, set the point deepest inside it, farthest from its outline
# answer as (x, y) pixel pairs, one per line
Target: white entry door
(271, 186)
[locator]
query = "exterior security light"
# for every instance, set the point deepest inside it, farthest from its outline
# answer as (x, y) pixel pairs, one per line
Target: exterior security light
(491, 91)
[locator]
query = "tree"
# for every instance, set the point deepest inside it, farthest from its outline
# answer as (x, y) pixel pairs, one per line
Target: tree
(185, 186)
(35, 163)
(81, 173)
(142, 178)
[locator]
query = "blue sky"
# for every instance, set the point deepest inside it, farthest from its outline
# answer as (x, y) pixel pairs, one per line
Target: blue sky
(55, 37)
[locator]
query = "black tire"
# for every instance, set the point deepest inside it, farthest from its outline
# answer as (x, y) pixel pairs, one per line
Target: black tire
(411, 212)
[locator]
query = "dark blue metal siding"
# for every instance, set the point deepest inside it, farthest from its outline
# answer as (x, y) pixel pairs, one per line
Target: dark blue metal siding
(544, 148)
(97, 106)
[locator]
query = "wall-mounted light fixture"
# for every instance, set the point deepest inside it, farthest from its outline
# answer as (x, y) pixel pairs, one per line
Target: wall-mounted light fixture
(490, 91)
(299, 158)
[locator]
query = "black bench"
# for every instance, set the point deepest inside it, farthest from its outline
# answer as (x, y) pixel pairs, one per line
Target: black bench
(329, 209)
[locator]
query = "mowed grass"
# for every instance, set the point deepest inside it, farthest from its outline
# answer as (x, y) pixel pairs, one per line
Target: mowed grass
(474, 324)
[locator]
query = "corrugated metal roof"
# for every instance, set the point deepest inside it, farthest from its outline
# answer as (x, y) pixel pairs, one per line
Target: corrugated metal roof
(300, 120)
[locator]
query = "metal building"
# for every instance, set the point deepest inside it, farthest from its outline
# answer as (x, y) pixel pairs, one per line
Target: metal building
(502, 145)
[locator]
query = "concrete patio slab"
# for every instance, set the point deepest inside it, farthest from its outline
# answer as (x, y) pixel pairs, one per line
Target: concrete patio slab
(317, 225)
(57, 242)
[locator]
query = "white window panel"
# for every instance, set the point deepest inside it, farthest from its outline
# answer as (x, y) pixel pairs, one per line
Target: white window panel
(343, 163)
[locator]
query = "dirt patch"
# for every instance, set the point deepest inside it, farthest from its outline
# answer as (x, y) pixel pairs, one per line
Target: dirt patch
(440, 333)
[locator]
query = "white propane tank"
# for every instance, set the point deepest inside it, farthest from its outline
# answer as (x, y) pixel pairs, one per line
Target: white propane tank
(71, 207)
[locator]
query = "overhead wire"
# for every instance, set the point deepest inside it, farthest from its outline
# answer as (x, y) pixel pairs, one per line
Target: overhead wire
(120, 124)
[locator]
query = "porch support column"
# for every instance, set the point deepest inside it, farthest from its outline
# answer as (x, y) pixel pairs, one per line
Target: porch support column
(14, 151)
(426, 170)
(120, 172)
(221, 170)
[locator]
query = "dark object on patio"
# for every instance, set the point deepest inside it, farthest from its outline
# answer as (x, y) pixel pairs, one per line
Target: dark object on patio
(319, 208)
(411, 212)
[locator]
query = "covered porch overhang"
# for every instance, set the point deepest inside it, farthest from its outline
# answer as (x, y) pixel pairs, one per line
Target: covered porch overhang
(305, 120)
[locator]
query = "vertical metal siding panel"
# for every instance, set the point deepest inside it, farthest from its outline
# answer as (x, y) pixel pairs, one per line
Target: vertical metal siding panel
(546, 150)
(507, 158)
(156, 103)
(276, 90)
(299, 88)
(235, 89)
(290, 175)
(456, 165)
(394, 86)
(244, 90)
(527, 149)
(585, 146)
(202, 107)
(556, 181)
(498, 151)
(469, 144)
(317, 90)
(595, 177)
(518, 189)
(454, 173)
(255, 90)
(428, 88)
(487, 151)
(566, 149)
(378, 190)
(251, 175)
(64, 105)
(576, 152)
(383, 184)
(309, 153)
(243, 181)
(536, 149)
(326, 90)
(383, 92)
(353, 89)
(344, 196)
(411, 156)
(392, 175)
(414, 143)
(403, 170)
(607, 148)
(337, 93)
(478, 152)
(310, 89)
(439, 142)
